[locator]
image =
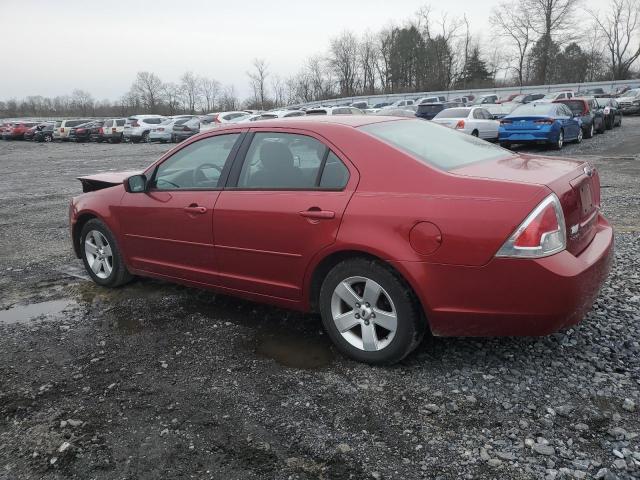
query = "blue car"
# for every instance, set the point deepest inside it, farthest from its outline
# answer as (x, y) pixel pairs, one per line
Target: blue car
(542, 123)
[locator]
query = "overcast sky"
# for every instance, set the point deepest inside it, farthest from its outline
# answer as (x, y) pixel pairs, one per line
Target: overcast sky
(52, 47)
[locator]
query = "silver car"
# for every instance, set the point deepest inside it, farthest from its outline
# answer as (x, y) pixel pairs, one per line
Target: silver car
(175, 129)
(476, 121)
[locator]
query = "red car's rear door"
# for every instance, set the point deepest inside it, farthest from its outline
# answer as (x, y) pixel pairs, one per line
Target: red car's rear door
(168, 230)
(284, 202)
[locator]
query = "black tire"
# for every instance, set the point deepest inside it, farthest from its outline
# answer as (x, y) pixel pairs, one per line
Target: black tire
(475, 133)
(588, 133)
(411, 324)
(119, 274)
(620, 122)
(506, 145)
(560, 143)
(145, 137)
(48, 138)
(602, 128)
(608, 123)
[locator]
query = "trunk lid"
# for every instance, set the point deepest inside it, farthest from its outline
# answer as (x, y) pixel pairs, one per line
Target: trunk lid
(575, 182)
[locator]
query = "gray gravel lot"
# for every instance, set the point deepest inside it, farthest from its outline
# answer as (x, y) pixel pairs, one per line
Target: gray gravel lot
(161, 381)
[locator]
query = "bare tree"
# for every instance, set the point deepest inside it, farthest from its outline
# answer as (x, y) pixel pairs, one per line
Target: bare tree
(512, 21)
(343, 58)
(82, 101)
(190, 89)
(368, 57)
(620, 29)
(258, 80)
(148, 87)
(279, 87)
(209, 90)
(172, 94)
(228, 99)
(550, 19)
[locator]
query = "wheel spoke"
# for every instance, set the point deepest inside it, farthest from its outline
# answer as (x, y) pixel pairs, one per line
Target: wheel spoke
(90, 248)
(107, 267)
(369, 338)
(346, 321)
(107, 250)
(386, 320)
(97, 238)
(346, 293)
(96, 265)
(371, 292)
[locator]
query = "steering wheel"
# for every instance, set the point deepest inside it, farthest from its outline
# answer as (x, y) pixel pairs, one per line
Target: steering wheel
(198, 175)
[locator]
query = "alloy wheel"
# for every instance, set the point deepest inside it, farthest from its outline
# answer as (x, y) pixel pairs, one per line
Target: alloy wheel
(99, 254)
(364, 313)
(561, 139)
(580, 136)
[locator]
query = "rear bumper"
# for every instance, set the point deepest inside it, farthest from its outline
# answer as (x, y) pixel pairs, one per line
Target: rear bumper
(526, 136)
(514, 297)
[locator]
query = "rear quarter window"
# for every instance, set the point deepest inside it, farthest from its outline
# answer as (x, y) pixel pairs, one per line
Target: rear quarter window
(435, 145)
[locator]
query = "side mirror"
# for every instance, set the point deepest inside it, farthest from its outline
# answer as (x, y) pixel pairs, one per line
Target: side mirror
(136, 184)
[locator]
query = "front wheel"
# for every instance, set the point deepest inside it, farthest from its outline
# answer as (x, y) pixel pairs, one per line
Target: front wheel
(580, 134)
(101, 255)
(369, 312)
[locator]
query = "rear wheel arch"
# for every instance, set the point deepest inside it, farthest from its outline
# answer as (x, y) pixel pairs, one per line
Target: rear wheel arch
(323, 268)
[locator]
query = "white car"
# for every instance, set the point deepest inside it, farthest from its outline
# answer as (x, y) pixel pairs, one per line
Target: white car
(476, 121)
(335, 111)
(138, 127)
(400, 103)
(281, 114)
(113, 129)
(553, 96)
(485, 100)
(629, 102)
(63, 127)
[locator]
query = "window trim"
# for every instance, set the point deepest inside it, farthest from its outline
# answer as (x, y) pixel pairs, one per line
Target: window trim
(238, 163)
(224, 174)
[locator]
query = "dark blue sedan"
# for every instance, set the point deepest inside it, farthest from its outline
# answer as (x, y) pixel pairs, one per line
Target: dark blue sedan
(541, 123)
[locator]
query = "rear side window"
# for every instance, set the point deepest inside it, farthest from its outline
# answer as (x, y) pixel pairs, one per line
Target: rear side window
(74, 123)
(152, 121)
(286, 161)
(443, 148)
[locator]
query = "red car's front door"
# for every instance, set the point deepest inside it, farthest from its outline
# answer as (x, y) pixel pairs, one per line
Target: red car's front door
(168, 229)
(283, 206)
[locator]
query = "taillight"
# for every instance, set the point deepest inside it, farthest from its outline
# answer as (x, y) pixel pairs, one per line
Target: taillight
(101, 131)
(216, 119)
(460, 124)
(135, 123)
(542, 233)
(61, 129)
(544, 121)
(113, 129)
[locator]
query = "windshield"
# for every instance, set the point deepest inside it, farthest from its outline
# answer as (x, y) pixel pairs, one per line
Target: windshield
(535, 109)
(576, 106)
(435, 145)
(454, 113)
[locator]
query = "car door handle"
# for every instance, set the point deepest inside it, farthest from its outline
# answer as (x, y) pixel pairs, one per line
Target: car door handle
(195, 209)
(317, 214)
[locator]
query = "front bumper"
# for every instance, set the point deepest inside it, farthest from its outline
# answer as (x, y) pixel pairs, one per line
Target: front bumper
(513, 297)
(630, 110)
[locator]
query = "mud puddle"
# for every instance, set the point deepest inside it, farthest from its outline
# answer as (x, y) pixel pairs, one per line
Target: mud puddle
(303, 351)
(26, 313)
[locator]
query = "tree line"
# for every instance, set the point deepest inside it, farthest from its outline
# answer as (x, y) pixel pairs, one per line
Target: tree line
(530, 42)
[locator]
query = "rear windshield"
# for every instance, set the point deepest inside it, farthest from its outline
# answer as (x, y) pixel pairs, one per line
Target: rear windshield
(120, 122)
(153, 121)
(58, 124)
(434, 145)
(316, 112)
(430, 108)
(74, 123)
(534, 109)
(575, 106)
(454, 113)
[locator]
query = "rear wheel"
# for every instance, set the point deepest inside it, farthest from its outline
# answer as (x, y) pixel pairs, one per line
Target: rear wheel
(620, 122)
(590, 131)
(560, 142)
(369, 312)
(475, 133)
(48, 138)
(580, 134)
(505, 144)
(101, 255)
(145, 137)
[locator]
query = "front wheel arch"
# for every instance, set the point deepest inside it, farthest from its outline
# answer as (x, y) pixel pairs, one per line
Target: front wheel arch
(77, 230)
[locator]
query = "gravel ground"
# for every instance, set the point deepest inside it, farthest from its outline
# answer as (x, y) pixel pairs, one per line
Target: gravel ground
(160, 381)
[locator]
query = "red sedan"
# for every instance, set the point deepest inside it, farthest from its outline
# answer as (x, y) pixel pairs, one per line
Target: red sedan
(385, 226)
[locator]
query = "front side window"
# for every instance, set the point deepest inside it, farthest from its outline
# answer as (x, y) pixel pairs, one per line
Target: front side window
(196, 166)
(287, 161)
